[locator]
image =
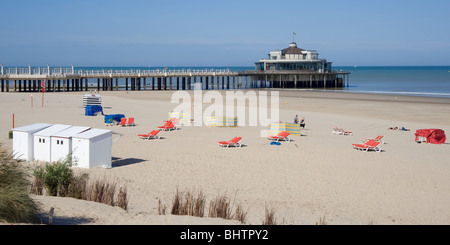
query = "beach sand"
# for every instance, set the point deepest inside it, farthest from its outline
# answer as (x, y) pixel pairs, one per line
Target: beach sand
(317, 175)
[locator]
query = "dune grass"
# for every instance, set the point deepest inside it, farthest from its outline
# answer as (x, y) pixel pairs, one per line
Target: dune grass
(269, 218)
(16, 205)
(187, 203)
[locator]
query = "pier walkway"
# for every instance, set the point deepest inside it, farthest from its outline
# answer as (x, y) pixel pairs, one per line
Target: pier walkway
(64, 79)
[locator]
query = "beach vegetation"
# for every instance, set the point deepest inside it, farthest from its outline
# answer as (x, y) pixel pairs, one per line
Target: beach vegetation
(269, 218)
(55, 177)
(162, 208)
(321, 221)
(187, 203)
(16, 204)
(58, 179)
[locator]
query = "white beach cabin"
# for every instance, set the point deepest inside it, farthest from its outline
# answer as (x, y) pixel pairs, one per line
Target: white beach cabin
(23, 140)
(92, 148)
(61, 142)
(42, 143)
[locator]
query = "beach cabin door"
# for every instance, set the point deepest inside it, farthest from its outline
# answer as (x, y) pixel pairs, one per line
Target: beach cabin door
(80, 152)
(42, 148)
(22, 146)
(60, 148)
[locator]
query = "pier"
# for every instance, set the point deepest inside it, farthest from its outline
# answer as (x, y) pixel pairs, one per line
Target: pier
(65, 79)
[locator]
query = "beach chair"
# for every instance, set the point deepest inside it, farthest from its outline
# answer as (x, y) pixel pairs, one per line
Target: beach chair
(151, 135)
(378, 138)
(283, 135)
(340, 131)
(369, 145)
(233, 142)
(345, 132)
(336, 131)
(123, 121)
(168, 126)
(130, 122)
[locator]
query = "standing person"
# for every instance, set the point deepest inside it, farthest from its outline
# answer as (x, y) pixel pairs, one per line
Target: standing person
(296, 119)
(302, 123)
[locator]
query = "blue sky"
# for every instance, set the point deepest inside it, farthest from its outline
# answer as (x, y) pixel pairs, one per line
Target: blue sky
(221, 33)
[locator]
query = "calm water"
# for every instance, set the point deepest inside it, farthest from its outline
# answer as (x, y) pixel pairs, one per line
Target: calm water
(407, 80)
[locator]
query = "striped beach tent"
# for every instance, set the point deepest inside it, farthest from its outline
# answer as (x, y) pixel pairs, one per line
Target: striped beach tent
(221, 121)
(292, 128)
(185, 118)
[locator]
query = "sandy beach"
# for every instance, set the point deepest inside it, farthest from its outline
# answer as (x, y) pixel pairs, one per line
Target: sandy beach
(317, 175)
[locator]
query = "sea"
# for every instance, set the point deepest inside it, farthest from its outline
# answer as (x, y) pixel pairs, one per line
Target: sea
(431, 81)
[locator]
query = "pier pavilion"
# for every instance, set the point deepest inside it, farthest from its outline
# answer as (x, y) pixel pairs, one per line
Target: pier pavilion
(294, 67)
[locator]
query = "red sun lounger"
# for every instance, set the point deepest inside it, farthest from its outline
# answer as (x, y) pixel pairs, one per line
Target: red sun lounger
(123, 121)
(340, 131)
(369, 145)
(378, 138)
(151, 135)
(168, 126)
(130, 121)
(283, 135)
(233, 142)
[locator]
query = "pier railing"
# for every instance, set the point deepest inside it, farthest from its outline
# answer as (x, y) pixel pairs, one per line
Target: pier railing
(155, 72)
(71, 71)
